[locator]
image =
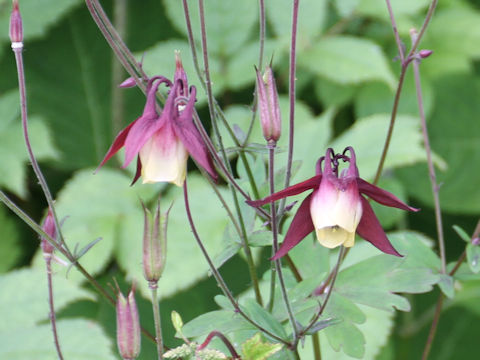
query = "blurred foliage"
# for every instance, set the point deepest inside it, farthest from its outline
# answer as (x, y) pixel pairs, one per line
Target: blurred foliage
(346, 83)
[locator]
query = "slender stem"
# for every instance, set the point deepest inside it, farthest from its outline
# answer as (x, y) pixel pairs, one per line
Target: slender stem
(36, 168)
(329, 290)
(391, 125)
(261, 5)
(120, 23)
(401, 51)
(438, 307)
(216, 274)
(291, 92)
(53, 322)
(156, 317)
(433, 328)
(224, 339)
(277, 262)
(431, 168)
(211, 108)
(317, 355)
(404, 66)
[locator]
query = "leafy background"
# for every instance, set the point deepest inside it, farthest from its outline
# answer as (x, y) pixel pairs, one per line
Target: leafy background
(346, 81)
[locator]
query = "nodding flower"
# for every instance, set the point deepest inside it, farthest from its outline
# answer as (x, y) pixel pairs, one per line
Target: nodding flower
(336, 208)
(162, 142)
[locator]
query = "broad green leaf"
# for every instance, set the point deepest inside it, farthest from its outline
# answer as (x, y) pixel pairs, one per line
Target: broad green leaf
(10, 251)
(27, 289)
(390, 216)
(38, 16)
(334, 94)
(79, 340)
(346, 7)
(279, 13)
(14, 154)
(446, 285)
(458, 145)
(378, 7)
(9, 108)
(462, 233)
(71, 90)
(473, 258)
(228, 23)
(185, 264)
(256, 349)
(377, 98)
(367, 137)
(347, 60)
(263, 318)
(93, 212)
(224, 321)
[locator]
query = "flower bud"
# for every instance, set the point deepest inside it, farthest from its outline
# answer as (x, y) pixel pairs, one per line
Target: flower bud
(154, 244)
(269, 109)
(128, 326)
(51, 230)
(425, 53)
(128, 83)
(16, 28)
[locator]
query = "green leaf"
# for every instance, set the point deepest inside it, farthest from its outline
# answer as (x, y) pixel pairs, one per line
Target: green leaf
(377, 98)
(457, 144)
(27, 289)
(9, 245)
(37, 16)
(334, 94)
(279, 13)
(80, 339)
(256, 349)
(181, 351)
(400, 8)
(225, 321)
(406, 146)
(14, 153)
(462, 233)
(473, 258)
(228, 23)
(264, 318)
(388, 216)
(446, 285)
(347, 60)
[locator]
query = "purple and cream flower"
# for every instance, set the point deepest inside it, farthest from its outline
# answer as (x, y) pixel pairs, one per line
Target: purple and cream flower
(162, 142)
(336, 209)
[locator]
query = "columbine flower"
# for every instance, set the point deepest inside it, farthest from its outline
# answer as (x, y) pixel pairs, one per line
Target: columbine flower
(336, 208)
(162, 142)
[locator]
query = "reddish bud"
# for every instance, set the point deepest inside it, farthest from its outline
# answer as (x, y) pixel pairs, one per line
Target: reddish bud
(128, 326)
(270, 118)
(51, 230)
(154, 244)
(425, 53)
(16, 28)
(128, 83)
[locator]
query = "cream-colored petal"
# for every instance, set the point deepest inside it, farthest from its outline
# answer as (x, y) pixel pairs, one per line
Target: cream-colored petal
(332, 237)
(164, 159)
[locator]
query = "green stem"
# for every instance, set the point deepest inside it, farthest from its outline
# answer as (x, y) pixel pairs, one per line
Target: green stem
(317, 355)
(156, 317)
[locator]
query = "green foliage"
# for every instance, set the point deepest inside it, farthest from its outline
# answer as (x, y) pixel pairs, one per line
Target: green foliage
(256, 349)
(9, 244)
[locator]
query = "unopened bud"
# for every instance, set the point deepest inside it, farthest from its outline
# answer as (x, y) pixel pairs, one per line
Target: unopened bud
(16, 28)
(270, 118)
(128, 326)
(128, 83)
(425, 53)
(154, 244)
(476, 241)
(51, 230)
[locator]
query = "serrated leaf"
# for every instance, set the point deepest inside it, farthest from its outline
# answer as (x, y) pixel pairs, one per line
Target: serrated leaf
(27, 289)
(80, 339)
(224, 321)
(37, 16)
(14, 153)
(406, 146)
(264, 318)
(228, 23)
(347, 60)
(279, 13)
(256, 349)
